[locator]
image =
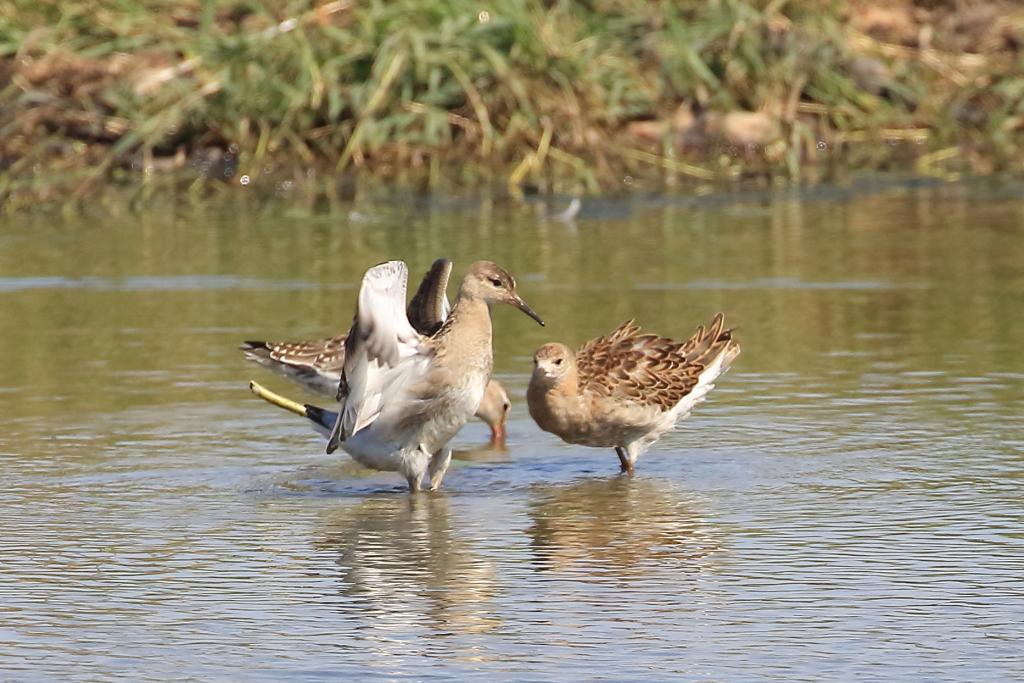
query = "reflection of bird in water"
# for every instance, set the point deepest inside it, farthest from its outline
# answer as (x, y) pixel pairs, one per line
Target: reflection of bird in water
(617, 524)
(489, 452)
(567, 216)
(624, 390)
(402, 563)
(316, 365)
(570, 213)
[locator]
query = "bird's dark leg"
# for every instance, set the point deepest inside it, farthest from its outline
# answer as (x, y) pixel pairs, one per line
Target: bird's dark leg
(627, 466)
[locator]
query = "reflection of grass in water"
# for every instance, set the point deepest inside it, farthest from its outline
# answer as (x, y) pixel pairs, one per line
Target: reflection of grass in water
(441, 92)
(621, 523)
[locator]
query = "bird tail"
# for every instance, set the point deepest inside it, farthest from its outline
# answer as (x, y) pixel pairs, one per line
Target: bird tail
(715, 349)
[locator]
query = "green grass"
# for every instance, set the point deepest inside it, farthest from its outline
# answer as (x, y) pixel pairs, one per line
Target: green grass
(442, 95)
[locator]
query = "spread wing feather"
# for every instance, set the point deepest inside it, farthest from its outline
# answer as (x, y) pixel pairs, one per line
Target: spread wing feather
(317, 365)
(429, 306)
(379, 353)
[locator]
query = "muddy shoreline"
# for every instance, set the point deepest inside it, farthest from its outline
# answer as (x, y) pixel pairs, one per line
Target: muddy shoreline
(604, 97)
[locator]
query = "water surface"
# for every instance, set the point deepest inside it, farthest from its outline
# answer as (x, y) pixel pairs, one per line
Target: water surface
(846, 505)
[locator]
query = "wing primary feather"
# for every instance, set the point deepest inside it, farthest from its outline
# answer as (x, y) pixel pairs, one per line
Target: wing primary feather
(429, 306)
(380, 339)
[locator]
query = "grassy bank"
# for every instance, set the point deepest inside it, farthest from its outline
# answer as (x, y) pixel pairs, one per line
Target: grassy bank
(520, 96)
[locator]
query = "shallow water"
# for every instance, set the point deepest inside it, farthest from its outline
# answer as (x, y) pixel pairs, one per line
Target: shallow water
(847, 504)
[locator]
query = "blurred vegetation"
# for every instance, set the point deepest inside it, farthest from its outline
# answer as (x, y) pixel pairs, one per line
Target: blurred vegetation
(525, 95)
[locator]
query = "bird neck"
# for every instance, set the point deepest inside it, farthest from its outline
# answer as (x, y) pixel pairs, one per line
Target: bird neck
(557, 405)
(467, 331)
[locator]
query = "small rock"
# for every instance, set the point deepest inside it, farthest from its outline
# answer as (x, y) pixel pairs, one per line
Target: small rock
(653, 131)
(889, 24)
(746, 128)
(870, 75)
(648, 131)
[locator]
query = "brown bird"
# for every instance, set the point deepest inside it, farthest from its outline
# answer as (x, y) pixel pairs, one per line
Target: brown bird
(404, 395)
(316, 365)
(625, 390)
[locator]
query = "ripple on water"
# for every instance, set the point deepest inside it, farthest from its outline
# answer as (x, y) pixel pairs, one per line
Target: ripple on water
(845, 506)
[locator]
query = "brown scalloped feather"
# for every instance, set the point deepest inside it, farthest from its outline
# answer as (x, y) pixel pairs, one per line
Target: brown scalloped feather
(324, 355)
(645, 369)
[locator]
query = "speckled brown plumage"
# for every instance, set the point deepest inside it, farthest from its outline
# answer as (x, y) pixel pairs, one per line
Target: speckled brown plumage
(325, 355)
(647, 369)
(625, 389)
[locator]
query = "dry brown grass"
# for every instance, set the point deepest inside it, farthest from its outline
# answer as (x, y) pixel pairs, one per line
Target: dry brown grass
(546, 96)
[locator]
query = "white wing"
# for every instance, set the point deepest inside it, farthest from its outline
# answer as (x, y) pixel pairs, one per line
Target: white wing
(380, 353)
(381, 328)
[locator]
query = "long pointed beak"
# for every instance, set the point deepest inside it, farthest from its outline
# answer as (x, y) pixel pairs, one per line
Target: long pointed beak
(521, 305)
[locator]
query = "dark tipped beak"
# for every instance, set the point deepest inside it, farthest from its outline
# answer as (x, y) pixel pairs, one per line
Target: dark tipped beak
(521, 305)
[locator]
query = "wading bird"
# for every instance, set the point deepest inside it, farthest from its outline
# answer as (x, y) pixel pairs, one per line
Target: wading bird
(403, 395)
(316, 365)
(625, 390)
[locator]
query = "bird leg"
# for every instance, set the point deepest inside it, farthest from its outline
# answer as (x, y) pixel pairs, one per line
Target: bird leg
(438, 466)
(414, 468)
(624, 461)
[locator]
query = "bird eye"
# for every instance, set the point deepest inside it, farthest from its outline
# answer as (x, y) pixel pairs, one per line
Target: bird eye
(505, 407)
(496, 282)
(558, 361)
